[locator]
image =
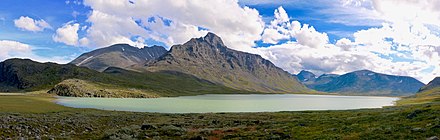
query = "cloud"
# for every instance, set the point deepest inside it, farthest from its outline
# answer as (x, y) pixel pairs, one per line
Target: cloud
(354, 12)
(401, 48)
(68, 34)
(29, 24)
(10, 48)
(13, 49)
(422, 11)
(281, 28)
(407, 48)
(107, 29)
(173, 22)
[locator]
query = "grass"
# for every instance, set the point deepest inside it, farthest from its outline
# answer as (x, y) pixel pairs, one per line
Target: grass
(36, 116)
(26, 75)
(427, 96)
(30, 104)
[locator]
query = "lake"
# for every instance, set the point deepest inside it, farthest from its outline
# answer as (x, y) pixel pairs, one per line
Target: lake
(230, 103)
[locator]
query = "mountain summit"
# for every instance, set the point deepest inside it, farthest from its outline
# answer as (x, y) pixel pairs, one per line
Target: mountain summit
(305, 76)
(118, 55)
(208, 58)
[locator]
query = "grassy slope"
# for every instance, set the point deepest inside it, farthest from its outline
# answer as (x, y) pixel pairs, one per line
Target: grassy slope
(166, 83)
(31, 103)
(153, 84)
(34, 76)
(36, 114)
(426, 96)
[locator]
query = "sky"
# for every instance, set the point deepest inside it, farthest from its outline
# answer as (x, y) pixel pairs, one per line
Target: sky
(398, 37)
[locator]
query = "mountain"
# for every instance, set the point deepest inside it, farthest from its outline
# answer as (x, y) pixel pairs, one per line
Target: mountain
(434, 84)
(25, 74)
(365, 82)
(305, 76)
(17, 75)
(324, 79)
(427, 94)
(118, 55)
(208, 58)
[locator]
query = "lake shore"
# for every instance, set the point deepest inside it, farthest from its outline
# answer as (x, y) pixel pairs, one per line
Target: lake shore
(216, 103)
(37, 117)
(11, 94)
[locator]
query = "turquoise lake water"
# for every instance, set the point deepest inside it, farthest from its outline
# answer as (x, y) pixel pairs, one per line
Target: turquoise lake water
(230, 103)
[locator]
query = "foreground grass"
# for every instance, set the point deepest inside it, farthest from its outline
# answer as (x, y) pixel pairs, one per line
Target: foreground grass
(37, 117)
(30, 104)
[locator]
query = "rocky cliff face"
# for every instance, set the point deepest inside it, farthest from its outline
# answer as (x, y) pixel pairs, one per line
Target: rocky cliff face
(118, 55)
(208, 58)
(365, 82)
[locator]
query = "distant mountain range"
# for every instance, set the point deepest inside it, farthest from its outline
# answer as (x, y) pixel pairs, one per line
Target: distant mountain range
(363, 82)
(118, 55)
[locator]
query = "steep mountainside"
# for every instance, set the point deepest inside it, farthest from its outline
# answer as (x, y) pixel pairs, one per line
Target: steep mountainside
(305, 76)
(324, 79)
(427, 94)
(208, 58)
(365, 82)
(119, 55)
(434, 84)
(21, 74)
(26, 75)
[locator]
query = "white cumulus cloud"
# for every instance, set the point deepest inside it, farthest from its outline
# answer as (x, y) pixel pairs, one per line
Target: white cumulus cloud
(9, 48)
(398, 48)
(401, 45)
(281, 29)
(68, 34)
(14, 49)
(29, 24)
(174, 22)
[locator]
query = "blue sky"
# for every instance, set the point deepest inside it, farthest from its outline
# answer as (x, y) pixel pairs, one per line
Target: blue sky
(322, 36)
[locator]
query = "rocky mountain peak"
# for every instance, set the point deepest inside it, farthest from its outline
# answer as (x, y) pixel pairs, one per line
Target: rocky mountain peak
(304, 76)
(118, 55)
(208, 58)
(214, 40)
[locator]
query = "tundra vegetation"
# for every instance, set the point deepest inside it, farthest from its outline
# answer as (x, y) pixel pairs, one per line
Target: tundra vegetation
(35, 115)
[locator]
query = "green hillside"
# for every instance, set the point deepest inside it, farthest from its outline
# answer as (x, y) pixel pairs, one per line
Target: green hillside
(428, 93)
(18, 75)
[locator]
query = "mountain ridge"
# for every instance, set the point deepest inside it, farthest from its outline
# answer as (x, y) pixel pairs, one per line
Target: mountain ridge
(23, 75)
(118, 55)
(366, 82)
(208, 58)
(434, 83)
